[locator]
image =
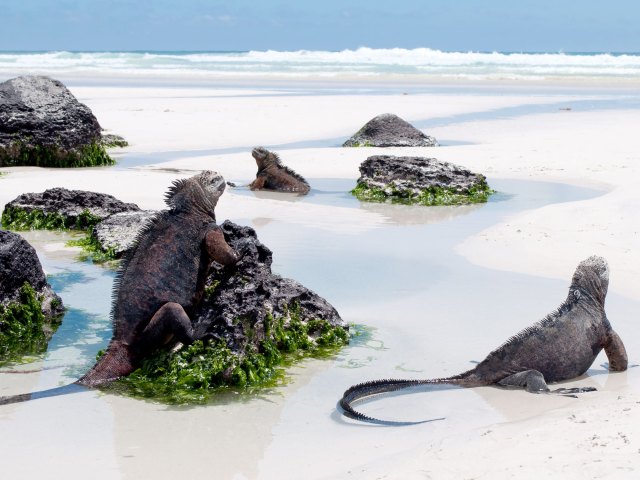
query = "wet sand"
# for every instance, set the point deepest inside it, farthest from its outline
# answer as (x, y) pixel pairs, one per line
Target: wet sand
(437, 288)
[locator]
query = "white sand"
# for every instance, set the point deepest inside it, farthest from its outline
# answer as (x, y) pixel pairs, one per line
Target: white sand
(488, 433)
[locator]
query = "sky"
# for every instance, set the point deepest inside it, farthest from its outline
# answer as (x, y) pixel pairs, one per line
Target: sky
(239, 25)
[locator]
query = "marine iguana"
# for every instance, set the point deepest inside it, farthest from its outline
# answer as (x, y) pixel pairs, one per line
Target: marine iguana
(160, 281)
(273, 175)
(561, 346)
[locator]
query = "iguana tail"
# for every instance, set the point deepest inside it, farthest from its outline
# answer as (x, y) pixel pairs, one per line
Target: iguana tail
(52, 392)
(376, 387)
(115, 363)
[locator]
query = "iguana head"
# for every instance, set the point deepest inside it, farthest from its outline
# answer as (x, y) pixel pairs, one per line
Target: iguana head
(199, 193)
(263, 157)
(592, 277)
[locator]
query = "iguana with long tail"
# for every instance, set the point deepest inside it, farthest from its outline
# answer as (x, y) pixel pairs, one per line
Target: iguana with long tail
(560, 347)
(160, 281)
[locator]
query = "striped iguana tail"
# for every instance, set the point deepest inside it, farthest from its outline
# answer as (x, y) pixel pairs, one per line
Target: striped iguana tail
(376, 387)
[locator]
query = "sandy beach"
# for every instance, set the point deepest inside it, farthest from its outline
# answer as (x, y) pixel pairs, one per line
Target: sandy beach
(436, 288)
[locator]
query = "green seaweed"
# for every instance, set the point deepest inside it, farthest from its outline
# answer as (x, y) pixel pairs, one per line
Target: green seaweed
(22, 326)
(431, 196)
(113, 141)
(195, 373)
(86, 220)
(210, 289)
(92, 249)
(19, 153)
(366, 143)
(369, 194)
(15, 218)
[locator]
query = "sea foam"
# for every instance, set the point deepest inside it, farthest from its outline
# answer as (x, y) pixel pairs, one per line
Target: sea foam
(418, 62)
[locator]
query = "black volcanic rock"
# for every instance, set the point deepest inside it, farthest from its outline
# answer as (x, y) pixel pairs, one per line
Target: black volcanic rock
(427, 181)
(389, 130)
(19, 264)
(239, 300)
(43, 124)
(118, 232)
(249, 291)
(62, 208)
(248, 326)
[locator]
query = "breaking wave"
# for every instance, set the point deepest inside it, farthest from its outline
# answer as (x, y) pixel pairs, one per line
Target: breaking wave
(419, 62)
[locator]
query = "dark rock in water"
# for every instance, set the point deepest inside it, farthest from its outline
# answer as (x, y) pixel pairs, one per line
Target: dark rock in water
(58, 208)
(237, 303)
(117, 233)
(247, 325)
(43, 124)
(19, 264)
(419, 180)
(29, 309)
(389, 130)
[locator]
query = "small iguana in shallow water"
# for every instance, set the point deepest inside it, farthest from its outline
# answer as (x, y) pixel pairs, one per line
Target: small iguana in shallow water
(560, 347)
(161, 280)
(273, 175)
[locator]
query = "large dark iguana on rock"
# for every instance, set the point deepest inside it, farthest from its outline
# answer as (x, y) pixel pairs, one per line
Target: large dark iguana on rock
(561, 346)
(273, 175)
(162, 279)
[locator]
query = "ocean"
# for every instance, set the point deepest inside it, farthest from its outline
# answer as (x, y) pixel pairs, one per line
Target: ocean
(417, 64)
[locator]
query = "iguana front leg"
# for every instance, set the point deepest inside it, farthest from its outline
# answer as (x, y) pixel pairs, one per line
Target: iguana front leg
(616, 353)
(258, 183)
(218, 248)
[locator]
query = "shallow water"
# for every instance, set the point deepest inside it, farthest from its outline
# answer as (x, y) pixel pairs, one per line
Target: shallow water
(86, 292)
(407, 251)
(428, 312)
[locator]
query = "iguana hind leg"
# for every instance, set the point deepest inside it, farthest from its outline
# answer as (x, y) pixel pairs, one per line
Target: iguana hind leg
(170, 321)
(531, 380)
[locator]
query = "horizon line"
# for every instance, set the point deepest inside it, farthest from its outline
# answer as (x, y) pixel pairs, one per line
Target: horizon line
(182, 51)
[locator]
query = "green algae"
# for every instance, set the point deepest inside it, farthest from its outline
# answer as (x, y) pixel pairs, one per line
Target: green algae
(23, 326)
(194, 374)
(19, 153)
(18, 219)
(92, 249)
(366, 143)
(432, 196)
(210, 289)
(15, 218)
(113, 141)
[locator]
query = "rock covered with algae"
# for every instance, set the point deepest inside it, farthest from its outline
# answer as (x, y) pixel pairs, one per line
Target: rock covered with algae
(419, 180)
(43, 124)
